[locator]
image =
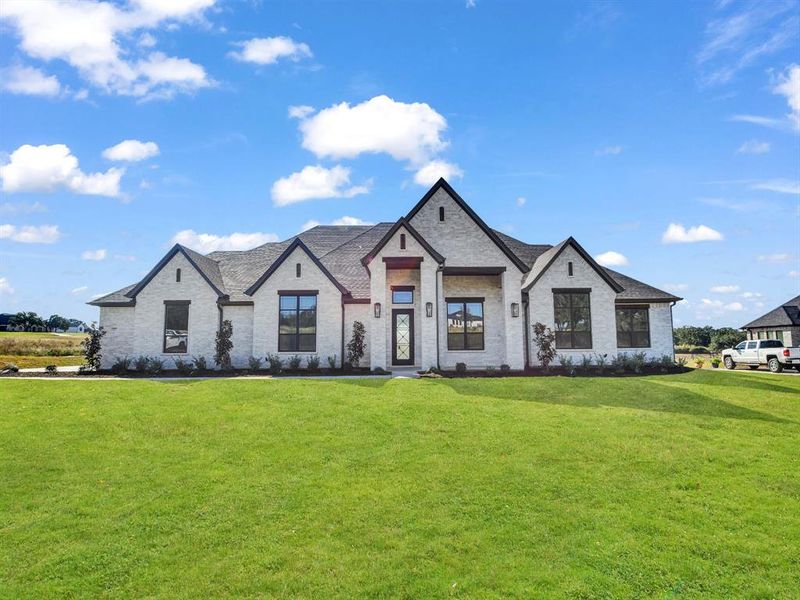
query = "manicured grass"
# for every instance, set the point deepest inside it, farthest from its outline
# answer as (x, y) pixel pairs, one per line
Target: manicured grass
(681, 486)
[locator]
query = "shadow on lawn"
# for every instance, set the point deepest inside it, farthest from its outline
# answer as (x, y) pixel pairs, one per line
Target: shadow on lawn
(642, 394)
(755, 381)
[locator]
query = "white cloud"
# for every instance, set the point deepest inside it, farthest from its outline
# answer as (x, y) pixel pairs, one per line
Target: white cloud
(676, 287)
(131, 151)
(30, 234)
(125, 257)
(94, 254)
(79, 290)
(611, 259)
(8, 208)
(782, 186)
(408, 132)
(613, 150)
(724, 289)
(97, 39)
(5, 287)
(793, 274)
(678, 234)
(208, 242)
(267, 51)
(751, 295)
(340, 221)
(300, 111)
(719, 306)
(521, 201)
(754, 147)
(29, 81)
(775, 258)
(315, 182)
(49, 168)
(788, 85)
(431, 172)
(471, 3)
(758, 120)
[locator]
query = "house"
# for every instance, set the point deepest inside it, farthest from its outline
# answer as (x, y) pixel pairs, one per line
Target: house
(435, 288)
(781, 323)
(5, 320)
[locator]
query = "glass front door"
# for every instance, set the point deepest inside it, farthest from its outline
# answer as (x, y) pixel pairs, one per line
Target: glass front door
(402, 337)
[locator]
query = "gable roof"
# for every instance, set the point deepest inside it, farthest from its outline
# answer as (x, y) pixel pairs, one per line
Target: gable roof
(547, 258)
(208, 269)
(787, 314)
(401, 222)
(297, 243)
(490, 233)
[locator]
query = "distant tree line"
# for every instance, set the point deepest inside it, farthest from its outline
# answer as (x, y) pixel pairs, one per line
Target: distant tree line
(30, 321)
(696, 339)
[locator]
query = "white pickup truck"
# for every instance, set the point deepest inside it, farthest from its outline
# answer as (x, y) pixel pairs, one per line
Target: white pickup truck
(762, 352)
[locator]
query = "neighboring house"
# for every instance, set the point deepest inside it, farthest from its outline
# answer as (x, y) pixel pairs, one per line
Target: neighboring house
(435, 288)
(77, 327)
(781, 323)
(5, 319)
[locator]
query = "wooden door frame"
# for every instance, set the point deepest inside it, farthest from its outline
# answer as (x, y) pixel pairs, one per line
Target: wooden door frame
(410, 313)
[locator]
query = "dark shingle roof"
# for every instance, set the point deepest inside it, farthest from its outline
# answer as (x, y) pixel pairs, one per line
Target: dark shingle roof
(340, 249)
(787, 314)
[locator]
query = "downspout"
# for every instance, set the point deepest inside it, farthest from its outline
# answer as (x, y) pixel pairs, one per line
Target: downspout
(439, 270)
(219, 325)
(342, 350)
(526, 341)
(672, 330)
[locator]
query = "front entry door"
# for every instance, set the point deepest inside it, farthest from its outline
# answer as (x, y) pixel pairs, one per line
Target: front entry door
(402, 336)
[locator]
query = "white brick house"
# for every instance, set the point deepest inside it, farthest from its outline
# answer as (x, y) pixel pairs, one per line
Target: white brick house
(435, 288)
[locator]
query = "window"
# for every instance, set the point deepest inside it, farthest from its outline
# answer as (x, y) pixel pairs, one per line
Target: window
(633, 327)
(752, 345)
(402, 295)
(465, 325)
(297, 326)
(441, 213)
(178, 275)
(779, 336)
(772, 344)
(402, 241)
(176, 327)
(762, 335)
(569, 268)
(573, 320)
(740, 346)
(298, 269)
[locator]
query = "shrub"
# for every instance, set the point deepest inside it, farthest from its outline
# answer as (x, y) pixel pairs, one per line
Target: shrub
(601, 360)
(275, 364)
(184, 367)
(544, 340)
(461, 367)
(155, 365)
(699, 363)
(490, 368)
(380, 371)
(254, 363)
(223, 345)
(666, 362)
(10, 368)
(295, 362)
(91, 347)
(680, 361)
(505, 368)
(620, 362)
(567, 362)
(638, 361)
(332, 362)
(312, 362)
(715, 362)
(140, 364)
(122, 365)
(586, 362)
(200, 363)
(51, 368)
(356, 345)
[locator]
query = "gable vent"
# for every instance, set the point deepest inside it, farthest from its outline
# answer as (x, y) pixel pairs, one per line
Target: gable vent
(441, 213)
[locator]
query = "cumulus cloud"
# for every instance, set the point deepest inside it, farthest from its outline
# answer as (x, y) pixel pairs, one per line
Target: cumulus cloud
(267, 51)
(432, 171)
(315, 182)
(678, 234)
(30, 234)
(611, 259)
(209, 242)
(96, 255)
(49, 168)
(340, 221)
(608, 150)
(719, 306)
(725, 289)
(754, 147)
(788, 86)
(408, 132)
(300, 112)
(5, 287)
(97, 39)
(29, 81)
(131, 151)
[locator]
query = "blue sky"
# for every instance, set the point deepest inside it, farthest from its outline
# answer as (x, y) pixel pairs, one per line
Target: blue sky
(663, 136)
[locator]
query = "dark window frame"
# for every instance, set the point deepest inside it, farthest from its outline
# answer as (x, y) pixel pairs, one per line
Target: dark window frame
(172, 304)
(403, 288)
(402, 241)
(570, 271)
(298, 270)
(464, 334)
(297, 295)
(572, 331)
(629, 312)
(441, 213)
(177, 275)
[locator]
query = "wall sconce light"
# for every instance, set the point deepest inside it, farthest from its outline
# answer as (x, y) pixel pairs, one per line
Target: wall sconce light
(429, 309)
(377, 309)
(514, 309)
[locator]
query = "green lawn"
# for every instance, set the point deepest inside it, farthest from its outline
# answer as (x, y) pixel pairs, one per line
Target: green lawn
(682, 486)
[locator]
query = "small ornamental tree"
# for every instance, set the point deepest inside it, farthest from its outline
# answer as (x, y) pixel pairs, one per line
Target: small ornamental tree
(91, 347)
(545, 341)
(356, 345)
(222, 354)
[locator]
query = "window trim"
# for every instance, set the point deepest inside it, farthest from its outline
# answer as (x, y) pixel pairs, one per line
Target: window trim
(297, 294)
(402, 241)
(178, 275)
(298, 270)
(570, 292)
(464, 301)
(633, 307)
(167, 304)
(441, 214)
(403, 288)
(570, 270)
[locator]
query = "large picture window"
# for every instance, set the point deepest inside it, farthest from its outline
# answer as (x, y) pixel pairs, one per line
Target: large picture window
(573, 319)
(633, 327)
(297, 327)
(176, 327)
(464, 325)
